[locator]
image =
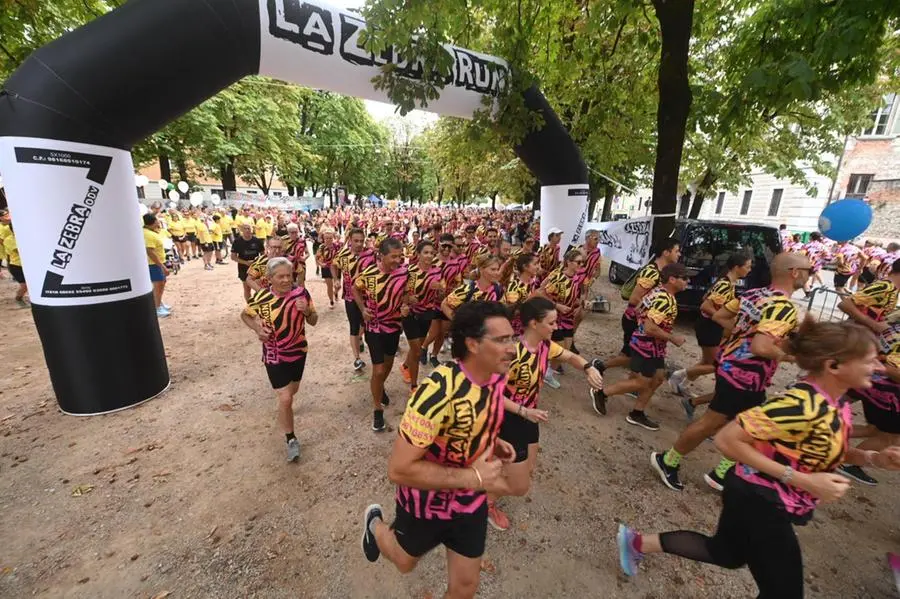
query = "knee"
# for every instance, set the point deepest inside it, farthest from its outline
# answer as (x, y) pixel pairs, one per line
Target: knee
(463, 586)
(284, 396)
(406, 564)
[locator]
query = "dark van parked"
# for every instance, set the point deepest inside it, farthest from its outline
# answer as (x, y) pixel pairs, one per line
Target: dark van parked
(706, 245)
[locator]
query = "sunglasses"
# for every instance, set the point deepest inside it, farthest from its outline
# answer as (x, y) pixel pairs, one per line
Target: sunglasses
(448, 246)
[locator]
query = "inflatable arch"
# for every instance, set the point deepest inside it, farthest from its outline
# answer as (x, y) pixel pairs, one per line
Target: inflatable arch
(72, 111)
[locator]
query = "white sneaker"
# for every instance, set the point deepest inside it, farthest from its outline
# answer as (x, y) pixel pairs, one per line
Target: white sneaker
(162, 312)
(551, 380)
(677, 381)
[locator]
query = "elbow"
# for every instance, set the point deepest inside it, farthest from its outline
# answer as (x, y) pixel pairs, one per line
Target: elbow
(395, 473)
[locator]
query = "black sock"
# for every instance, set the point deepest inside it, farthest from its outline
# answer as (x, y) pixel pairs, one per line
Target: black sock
(637, 412)
(288, 437)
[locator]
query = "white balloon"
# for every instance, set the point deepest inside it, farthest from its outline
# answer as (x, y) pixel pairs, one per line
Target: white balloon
(141, 180)
(173, 205)
(215, 197)
(163, 184)
(183, 186)
(195, 202)
(174, 195)
(216, 200)
(142, 208)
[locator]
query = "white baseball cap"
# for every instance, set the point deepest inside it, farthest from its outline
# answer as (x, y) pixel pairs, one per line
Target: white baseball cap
(554, 231)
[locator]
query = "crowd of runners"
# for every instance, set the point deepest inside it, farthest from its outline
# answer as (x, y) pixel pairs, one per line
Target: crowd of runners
(504, 306)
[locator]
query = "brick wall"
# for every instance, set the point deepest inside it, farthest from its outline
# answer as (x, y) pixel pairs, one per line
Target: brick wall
(879, 157)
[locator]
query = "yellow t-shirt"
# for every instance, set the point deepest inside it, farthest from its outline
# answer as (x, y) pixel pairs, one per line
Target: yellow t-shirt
(216, 231)
(190, 225)
(176, 227)
(240, 219)
(203, 235)
(261, 229)
(12, 250)
(227, 223)
(5, 232)
(153, 241)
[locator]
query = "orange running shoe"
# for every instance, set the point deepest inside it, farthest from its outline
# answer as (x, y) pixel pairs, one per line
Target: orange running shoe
(496, 517)
(407, 376)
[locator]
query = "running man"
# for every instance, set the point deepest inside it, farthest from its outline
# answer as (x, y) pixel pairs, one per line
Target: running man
(257, 273)
(328, 249)
(245, 249)
(871, 305)
(646, 279)
(847, 260)
(278, 315)
(448, 454)
(347, 265)
(549, 254)
(564, 286)
(425, 290)
(787, 451)
(747, 362)
(656, 318)
(380, 294)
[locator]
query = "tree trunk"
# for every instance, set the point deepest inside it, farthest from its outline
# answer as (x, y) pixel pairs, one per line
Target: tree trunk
(226, 175)
(533, 196)
(494, 201)
(165, 171)
(675, 21)
(291, 190)
(608, 202)
(684, 204)
(593, 198)
(706, 183)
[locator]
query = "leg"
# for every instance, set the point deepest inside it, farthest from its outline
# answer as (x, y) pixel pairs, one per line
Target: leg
(649, 388)
(390, 548)
(23, 289)
(878, 441)
(376, 384)
(285, 397)
(707, 425)
(634, 384)
(518, 475)
(354, 346)
(247, 292)
(157, 293)
(464, 575)
(706, 364)
(329, 285)
(412, 359)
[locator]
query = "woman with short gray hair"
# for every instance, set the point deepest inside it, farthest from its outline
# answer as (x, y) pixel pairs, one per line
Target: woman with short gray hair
(278, 315)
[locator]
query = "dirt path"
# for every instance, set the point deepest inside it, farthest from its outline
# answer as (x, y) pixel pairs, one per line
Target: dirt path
(189, 493)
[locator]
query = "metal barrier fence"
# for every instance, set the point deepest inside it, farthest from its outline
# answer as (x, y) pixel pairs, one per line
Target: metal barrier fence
(823, 305)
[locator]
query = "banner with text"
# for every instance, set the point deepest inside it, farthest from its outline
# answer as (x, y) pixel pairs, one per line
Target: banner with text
(625, 241)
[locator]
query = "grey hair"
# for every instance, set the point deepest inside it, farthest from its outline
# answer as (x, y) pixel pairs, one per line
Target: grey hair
(293, 227)
(590, 231)
(275, 263)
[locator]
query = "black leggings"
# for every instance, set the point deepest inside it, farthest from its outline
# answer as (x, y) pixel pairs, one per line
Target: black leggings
(751, 531)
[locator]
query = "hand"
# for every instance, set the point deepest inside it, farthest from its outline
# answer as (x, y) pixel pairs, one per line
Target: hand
(489, 468)
(503, 450)
(594, 378)
(404, 310)
(164, 269)
(888, 459)
(263, 335)
(440, 286)
(576, 313)
(678, 340)
(563, 309)
(826, 486)
(534, 415)
(301, 304)
(367, 314)
(880, 327)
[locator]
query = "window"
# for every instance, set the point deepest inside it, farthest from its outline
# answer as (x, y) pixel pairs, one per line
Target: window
(745, 204)
(775, 202)
(881, 117)
(252, 191)
(277, 194)
(720, 203)
(858, 186)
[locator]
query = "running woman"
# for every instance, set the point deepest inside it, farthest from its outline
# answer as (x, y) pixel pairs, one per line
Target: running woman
(847, 260)
(349, 262)
(709, 332)
(448, 454)
(257, 273)
(521, 288)
(747, 362)
(425, 290)
(646, 279)
(565, 286)
(549, 254)
(450, 260)
(328, 249)
(656, 318)
(787, 451)
(871, 305)
(245, 249)
(379, 291)
(534, 351)
(486, 288)
(278, 315)
(176, 230)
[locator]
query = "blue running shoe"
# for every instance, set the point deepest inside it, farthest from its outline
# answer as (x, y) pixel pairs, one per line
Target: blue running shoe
(629, 557)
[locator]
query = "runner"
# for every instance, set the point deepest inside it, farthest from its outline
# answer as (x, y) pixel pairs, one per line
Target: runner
(328, 249)
(747, 362)
(534, 351)
(244, 251)
(521, 288)
(656, 317)
(179, 237)
(486, 288)
(348, 263)
(549, 254)
(817, 252)
(425, 290)
(870, 306)
(278, 315)
(257, 273)
(192, 247)
(646, 279)
(788, 449)
(205, 239)
(448, 454)
(565, 287)
(379, 293)
(709, 331)
(218, 238)
(451, 262)
(847, 260)
(156, 259)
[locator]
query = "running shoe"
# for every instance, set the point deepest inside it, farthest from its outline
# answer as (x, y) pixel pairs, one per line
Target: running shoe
(434, 361)
(715, 482)
(385, 400)
(598, 401)
(208, 267)
(162, 312)
(378, 421)
(629, 557)
(496, 517)
(358, 364)
(667, 474)
(559, 370)
(640, 419)
(166, 306)
(677, 381)
(23, 303)
(293, 450)
(551, 381)
(599, 365)
(406, 374)
(369, 546)
(688, 407)
(446, 346)
(856, 473)
(423, 359)
(632, 395)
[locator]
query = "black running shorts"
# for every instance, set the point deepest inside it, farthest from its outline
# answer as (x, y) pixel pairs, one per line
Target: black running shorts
(354, 317)
(284, 373)
(382, 345)
(326, 272)
(464, 534)
(730, 401)
(628, 328)
(708, 331)
(415, 326)
(562, 334)
(841, 280)
(644, 366)
(17, 273)
(520, 433)
(242, 271)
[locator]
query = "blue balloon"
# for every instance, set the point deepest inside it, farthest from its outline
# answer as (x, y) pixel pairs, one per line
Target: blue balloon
(845, 219)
